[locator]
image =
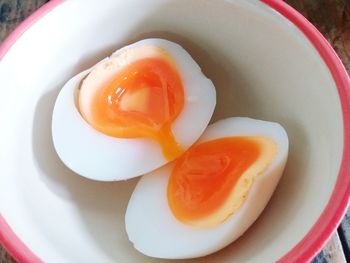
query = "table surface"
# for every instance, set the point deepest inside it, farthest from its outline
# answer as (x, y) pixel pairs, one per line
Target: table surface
(331, 17)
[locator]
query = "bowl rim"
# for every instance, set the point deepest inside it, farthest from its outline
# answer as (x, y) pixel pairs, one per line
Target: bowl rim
(336, 207)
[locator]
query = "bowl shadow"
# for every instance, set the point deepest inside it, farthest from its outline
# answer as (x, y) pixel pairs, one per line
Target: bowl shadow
(101, 205)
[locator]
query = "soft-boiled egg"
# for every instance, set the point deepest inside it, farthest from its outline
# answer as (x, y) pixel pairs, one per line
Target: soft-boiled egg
(132, 112)
(209, 196)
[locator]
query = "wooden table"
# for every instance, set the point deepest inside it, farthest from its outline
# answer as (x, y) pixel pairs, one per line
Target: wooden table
(331, 17)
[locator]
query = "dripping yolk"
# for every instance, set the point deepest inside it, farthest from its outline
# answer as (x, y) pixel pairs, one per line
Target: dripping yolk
(212, 179)
(141, 100)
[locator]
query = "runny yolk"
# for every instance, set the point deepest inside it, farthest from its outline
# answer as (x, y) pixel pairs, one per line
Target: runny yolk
(203, 179)
(142, 100)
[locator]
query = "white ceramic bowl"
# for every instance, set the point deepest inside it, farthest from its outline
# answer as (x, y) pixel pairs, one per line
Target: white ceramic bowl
(266, 61)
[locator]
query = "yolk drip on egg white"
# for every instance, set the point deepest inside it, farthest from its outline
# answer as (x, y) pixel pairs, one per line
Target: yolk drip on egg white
(210, 182)
(141, 101)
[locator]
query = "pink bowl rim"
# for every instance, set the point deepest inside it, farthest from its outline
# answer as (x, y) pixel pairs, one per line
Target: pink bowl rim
(331, 216)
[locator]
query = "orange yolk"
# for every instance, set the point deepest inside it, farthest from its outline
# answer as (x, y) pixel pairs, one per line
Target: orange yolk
(203, 178)
(142, 100)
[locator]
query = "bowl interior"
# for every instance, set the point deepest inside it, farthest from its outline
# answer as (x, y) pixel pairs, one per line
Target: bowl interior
(262, 66)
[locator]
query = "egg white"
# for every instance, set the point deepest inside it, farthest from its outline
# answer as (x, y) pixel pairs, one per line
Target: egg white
(97, 156)
(154, 230)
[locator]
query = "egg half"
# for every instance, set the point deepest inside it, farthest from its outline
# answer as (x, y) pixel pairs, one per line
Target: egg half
(208, 197)
(132, 112)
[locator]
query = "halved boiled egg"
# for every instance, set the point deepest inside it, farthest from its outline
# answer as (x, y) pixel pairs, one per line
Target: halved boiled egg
(132, 112)
(209, 196)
